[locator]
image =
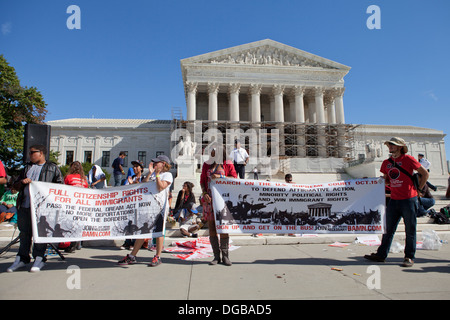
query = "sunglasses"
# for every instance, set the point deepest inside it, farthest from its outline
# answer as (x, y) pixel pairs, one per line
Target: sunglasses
(34, 151)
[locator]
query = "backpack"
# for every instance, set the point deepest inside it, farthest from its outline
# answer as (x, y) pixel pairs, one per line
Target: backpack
(441, 217)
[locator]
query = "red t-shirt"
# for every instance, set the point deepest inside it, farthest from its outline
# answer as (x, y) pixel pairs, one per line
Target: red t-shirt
(2, 170)
(400, 184)
(75, 180)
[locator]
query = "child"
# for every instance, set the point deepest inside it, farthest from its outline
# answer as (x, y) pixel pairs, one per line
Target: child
(8, 210)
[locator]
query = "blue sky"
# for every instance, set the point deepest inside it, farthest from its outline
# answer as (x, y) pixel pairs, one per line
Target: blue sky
(124, 62)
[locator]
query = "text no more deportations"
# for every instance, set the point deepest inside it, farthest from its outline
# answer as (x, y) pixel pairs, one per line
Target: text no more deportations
(116, 213)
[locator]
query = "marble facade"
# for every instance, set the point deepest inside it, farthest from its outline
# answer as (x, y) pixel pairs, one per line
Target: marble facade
(264, 81)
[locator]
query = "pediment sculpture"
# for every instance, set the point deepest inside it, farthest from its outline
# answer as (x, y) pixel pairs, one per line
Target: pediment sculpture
(266, 56)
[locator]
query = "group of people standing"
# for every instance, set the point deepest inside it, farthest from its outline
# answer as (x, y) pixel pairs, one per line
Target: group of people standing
(397, 172)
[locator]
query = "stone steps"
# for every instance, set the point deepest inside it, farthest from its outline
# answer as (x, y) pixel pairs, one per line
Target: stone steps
(173, 233)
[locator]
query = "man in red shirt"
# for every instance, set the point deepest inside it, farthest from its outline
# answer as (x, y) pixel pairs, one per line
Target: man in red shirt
(403, 203)
(3, 179)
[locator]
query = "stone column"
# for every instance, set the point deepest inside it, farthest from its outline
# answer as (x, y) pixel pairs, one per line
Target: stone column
(300, 118)
(299, 105)
(320, 112)
(331, 111)
(213, 90)
(279, 108)
(272, 107)
(233, 91)
(191, 100)
(310, 100)
(255, 91)
(279, 114)
(340, 118)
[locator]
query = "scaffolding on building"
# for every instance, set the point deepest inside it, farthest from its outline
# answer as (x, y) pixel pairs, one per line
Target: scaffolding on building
(294, 140)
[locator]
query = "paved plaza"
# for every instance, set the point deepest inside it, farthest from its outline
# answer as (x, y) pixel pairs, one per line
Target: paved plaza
(259, 272)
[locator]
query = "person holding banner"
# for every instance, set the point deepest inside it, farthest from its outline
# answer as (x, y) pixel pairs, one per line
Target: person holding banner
(159, 173)
(138, 168)
(38, 169)
(215, 167)
(398, 171)
(75, 177)
(96, 177)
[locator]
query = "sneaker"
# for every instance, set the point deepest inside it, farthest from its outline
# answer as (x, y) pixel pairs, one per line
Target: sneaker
(16, 265)
(408, 263)
(374, 257)
(155, 262)
(38, 264)
(127, 260)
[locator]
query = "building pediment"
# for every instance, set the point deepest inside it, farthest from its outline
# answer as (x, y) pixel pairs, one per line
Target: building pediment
(264, 53)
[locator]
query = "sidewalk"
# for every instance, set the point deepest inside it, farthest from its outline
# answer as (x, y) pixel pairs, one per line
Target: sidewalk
(270, 267)
(261, 272)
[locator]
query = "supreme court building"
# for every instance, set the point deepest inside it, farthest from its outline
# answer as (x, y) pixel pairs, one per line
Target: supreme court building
(292, 99)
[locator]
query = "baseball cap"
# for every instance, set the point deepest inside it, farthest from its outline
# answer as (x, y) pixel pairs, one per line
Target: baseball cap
(160, 158)
(137, 162)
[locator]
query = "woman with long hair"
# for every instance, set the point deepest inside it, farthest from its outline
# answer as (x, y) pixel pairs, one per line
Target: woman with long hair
(159, 173)
(75, 176)
(185, 199)
(215, 167)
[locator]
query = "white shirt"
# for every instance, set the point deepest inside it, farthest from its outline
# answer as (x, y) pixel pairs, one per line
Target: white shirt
(239, 155)
(164, 176)
(425, 163)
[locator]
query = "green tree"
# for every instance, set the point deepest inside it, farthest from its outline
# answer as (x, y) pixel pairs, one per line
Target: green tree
(18, 106)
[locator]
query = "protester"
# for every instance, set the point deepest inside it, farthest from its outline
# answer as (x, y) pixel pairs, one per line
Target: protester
(240, 159)
(447, 194)
(3, 179)
(158, 172)
(75, 177)
(8, 209)
(426, 201)
(185, 199)
(403, 202)
(118, 168)
(138, 168)
(38, 169)
(288, 178)
(96, 177)
(427, 165)
(215, 167)
(190, 224)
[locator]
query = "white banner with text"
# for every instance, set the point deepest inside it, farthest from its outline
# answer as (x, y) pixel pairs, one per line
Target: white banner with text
(255, 206)
(63, 213)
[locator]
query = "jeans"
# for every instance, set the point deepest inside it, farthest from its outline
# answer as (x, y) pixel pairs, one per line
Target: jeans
(427, 203)
(397, 209)
(10, 210)
(117, 180)
(25, 236)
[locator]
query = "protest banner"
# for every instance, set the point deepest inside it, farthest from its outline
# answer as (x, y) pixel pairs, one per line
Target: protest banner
(63, 213)
(254, 206)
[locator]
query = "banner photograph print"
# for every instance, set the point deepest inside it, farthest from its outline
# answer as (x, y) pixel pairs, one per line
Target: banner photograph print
(252, 206)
